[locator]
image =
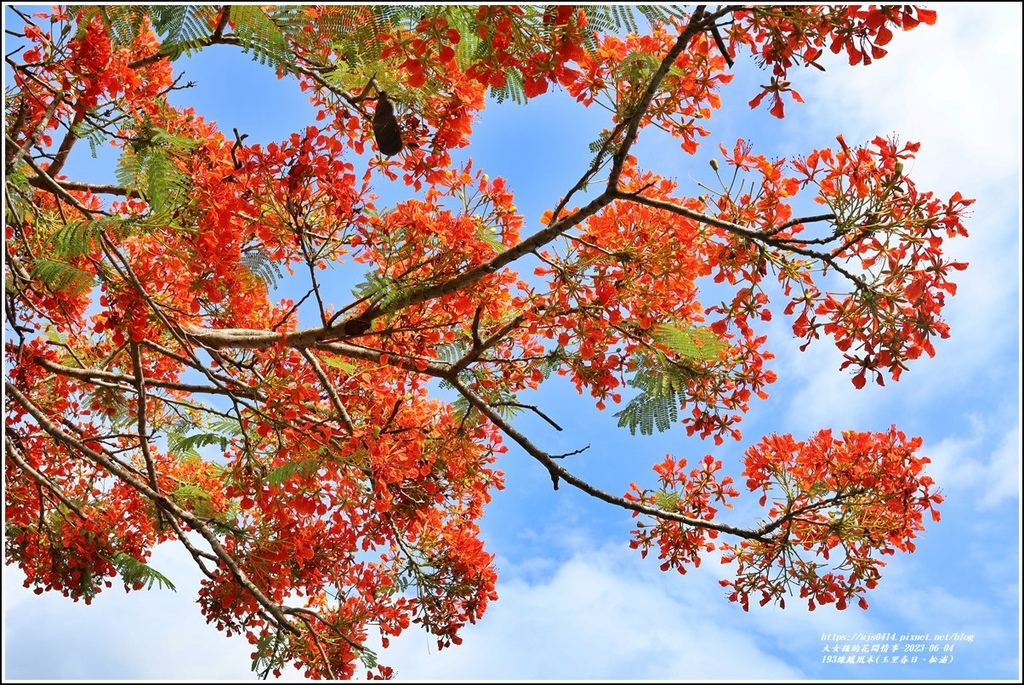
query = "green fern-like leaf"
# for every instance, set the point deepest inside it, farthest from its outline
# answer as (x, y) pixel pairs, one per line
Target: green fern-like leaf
(185, 29)
(553, 361)
(187, 445)
(368, 657)
(379, 288)
(195, 499)
(692, 342)
(354, 31)
(340, 363)
(638, 66)
(501, 401)
(123, 22)
(93, 134)
(661, 13)
(451, 352)
(664, 387)
(271, 653)
(159, 173)
(603, 19)
(182, 28)
(257, 32)
(601, 149)
(648, 412)
(75, 239)
(262, 266)
(225, 426)
(134, 572)
(182, 23)
(170, 142)
(468, 48)
(620, 18)
(63, 277)
(282, 474)
(147, 167)
(613, 18)
(490, 236)
(512, 89)
(669, 501)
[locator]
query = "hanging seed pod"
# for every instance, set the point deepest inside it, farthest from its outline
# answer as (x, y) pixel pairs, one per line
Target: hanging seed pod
(385, 127)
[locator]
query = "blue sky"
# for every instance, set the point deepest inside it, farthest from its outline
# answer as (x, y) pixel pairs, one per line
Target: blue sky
(575, 601)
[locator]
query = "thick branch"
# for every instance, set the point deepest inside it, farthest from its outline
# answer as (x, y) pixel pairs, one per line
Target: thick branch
(94, 188)
(50, 184)
(695, 26)
(414, 364)
(16, 152)
(479, 346)
(838, 498)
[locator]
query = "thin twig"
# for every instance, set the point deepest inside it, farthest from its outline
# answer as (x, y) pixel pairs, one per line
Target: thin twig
(346, 420)
(141, 416)
(13, 455)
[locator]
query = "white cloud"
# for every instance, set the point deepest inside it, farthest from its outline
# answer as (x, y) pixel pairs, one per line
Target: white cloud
(824, 395)
(1003, 471)
(603, 614)
(143, 635)
(955, 86)
(985, 463)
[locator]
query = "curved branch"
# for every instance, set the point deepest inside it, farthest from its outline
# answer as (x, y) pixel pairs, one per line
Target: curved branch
(532, 407)
(15, 151)
(479, 346)
(80, 186)
(303, 611)
(559, 473)
(633, 120)
(55, 187)
(838, 498)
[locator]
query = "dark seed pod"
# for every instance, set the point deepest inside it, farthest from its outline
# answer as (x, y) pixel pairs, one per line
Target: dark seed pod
(385, 127)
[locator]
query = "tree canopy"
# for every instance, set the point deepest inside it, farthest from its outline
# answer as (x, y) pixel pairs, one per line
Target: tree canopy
(179, 366)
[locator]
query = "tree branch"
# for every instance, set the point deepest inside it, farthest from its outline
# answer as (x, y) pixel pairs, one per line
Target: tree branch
(140, 389)
(94, 188)
(15, 151)
(558, 472)
(757, 236)
(99, 374)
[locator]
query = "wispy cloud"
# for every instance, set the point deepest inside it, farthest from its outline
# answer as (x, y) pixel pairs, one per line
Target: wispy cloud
(984, 465)
(603, 614)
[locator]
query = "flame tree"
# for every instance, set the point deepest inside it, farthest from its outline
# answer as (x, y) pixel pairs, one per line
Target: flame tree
(158, 388)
